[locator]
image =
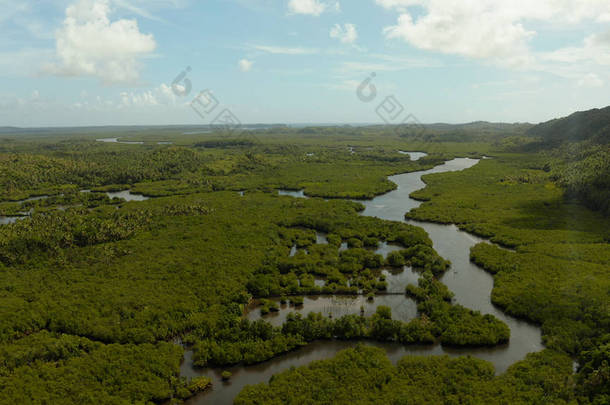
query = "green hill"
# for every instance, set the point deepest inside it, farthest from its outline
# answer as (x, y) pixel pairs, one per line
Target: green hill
(593, 125)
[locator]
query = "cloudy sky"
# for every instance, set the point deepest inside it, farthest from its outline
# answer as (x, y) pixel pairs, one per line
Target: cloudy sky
(106, 62)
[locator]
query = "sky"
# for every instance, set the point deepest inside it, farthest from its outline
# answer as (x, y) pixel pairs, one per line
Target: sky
(173, 62)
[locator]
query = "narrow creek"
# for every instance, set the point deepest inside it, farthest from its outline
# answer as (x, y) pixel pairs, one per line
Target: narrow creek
(117, 140)
(471, 285)
(126, 195)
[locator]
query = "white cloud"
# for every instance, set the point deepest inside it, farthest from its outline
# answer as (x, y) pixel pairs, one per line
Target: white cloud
(245, 65)
(280, 50)
(595, 49)
(89, 44)
(586, 64)
(311, 7)
(486, 29)
(168, 92)
(138, 99)
(590, 80)
(347, 33)
(158, 96)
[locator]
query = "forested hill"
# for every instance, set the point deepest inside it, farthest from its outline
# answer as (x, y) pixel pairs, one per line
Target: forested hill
(593, 125)
(580, 149)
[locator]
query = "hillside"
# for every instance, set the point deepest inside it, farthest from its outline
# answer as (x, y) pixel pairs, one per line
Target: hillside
(580, 154)
(591, 125)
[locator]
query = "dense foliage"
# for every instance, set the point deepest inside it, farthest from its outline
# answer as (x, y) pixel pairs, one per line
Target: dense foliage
(591, 125)
(579, 154)
(584, 171)
(457, 326)
(93, 290)
(365, 376)
(104, 275)
(58, 369)
(254, 342)
(558, 273)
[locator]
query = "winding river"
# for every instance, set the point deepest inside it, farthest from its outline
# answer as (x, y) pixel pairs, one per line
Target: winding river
(116, 140)
(471, 285)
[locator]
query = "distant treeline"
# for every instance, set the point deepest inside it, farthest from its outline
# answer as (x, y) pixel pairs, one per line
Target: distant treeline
(225, 143)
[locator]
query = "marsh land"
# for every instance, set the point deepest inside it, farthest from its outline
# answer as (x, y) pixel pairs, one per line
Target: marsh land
(321, 265)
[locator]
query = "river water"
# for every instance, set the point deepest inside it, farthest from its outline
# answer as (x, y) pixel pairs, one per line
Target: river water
(116, 140)
(471, 285)
(127, 195)
(8, 220)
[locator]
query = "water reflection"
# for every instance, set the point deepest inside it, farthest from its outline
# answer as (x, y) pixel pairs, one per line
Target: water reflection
(116, 140)
(126, 195)
(413, 155)
(471, 285)
(37, 198)
(321, 239)
(293, 193)
(9, 220)
(225, 392)
(336, 306)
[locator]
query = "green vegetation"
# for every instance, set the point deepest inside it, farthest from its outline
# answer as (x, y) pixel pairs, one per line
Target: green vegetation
(583, 171)
(128, 278)
(93, 290)
(40, 168)
(364, 375)
(592, 125)
(58, 368)
(558, 273)
(457, 326)
(580, 155)
(352, 271)
(254, 342)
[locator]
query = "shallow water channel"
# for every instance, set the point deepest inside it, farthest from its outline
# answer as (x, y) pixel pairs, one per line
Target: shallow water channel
(126, 195)
(117, 140)
(471, 285)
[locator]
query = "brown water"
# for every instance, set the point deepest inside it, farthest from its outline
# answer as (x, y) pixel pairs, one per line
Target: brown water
(470, 284)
